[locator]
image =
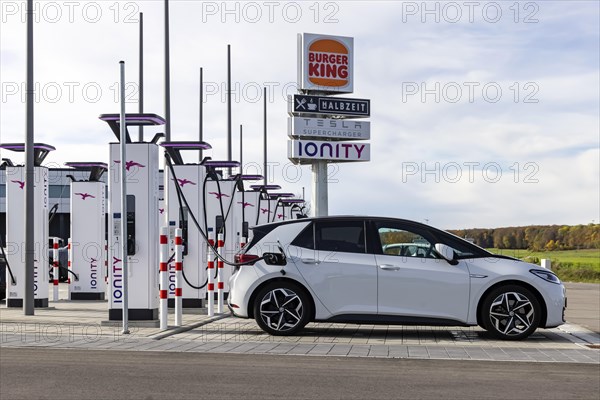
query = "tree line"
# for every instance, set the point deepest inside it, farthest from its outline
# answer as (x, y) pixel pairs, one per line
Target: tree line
(536, 237)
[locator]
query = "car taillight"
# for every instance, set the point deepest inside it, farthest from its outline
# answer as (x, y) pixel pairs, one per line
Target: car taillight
(246, 259)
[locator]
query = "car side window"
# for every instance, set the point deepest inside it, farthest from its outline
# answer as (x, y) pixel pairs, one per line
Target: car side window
(340, 236)
(404, 242)
(306, 238)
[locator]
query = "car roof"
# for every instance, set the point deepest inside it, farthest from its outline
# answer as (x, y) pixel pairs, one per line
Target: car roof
(342, 217)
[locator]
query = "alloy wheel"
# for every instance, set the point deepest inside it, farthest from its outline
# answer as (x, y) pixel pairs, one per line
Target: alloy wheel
(281, 309)
(512, 313)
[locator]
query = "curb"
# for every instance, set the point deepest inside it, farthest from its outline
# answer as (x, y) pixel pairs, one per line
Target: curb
(183, 329)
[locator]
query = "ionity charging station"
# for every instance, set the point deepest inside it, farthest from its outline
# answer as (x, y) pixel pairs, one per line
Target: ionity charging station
(222, 217)
(15, 226)
(190, 178)
(142, 221)
(277, 207)
(263, 209)
(88, 232)
(248, 206)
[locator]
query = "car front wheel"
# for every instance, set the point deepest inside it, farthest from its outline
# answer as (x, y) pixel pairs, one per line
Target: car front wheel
(511, 313)
(281, 308)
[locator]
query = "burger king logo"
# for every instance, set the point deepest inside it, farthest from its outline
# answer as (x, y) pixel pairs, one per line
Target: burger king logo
(328, 63)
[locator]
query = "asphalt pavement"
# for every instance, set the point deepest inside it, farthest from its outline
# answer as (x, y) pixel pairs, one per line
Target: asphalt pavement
(85, 374)
(583, 305)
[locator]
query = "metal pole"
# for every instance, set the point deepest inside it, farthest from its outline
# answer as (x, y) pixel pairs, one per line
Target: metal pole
(319, 196)
(141, 76)
(200, 115)
(167, 78)
(167, 111)
(265, 135)
(123, 228)
(28, 298)
(241, 152)
(229, 105)
(241, 173)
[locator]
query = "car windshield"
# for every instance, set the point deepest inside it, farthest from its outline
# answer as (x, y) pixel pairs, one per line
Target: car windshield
(462, 248)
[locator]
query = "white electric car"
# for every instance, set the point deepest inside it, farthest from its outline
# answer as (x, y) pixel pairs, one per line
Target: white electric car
(345, 269)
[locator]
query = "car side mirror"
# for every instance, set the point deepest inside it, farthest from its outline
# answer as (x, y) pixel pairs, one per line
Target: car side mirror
(274, 259)
(447, 253)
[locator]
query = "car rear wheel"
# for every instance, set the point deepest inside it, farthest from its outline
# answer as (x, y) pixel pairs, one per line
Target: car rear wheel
(511, 313)
(281, 308)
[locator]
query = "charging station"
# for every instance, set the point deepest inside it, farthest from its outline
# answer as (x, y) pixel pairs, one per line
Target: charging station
(264, 211)
(142, 221)
(248, 205)
(88, 231)
(221, 197)
(15, 226)
(293, 208)
(277, 206)
(190, 179)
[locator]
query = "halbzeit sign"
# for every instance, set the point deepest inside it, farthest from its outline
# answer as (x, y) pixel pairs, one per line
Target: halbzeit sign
(328, 128)
(306, 150)
(300, 104)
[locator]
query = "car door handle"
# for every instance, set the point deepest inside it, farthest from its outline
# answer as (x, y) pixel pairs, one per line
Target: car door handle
(309, 261)
(389, 267)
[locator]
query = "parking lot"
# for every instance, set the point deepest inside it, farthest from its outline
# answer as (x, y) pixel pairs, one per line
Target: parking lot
(84, 325)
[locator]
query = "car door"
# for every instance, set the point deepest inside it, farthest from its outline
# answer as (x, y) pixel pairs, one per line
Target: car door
(331, 256)
(413, 280)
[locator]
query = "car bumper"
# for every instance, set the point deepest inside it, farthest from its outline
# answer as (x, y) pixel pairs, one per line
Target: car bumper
(556, 304)
(239, 291)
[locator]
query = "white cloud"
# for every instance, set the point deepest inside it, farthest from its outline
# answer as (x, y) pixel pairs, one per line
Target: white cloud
(394, 50)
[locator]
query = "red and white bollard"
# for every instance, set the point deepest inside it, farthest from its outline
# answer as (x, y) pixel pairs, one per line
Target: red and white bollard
(243, 242)
(55, 273)
(210, 272)
(70, 259)
(178, 276)
(164, 279)
(220, 286)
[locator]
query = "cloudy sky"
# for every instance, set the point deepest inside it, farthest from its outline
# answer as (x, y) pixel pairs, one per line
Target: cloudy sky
(484, 114)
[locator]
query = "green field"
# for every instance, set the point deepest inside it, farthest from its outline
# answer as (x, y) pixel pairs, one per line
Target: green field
(569, 265)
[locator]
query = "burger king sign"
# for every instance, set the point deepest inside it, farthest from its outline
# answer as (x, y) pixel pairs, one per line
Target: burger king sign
(326, 63)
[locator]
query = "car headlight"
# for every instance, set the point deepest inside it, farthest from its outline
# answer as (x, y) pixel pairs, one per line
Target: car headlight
(545, 275)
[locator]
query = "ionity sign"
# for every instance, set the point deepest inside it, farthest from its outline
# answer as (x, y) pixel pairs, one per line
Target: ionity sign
(304, 151)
